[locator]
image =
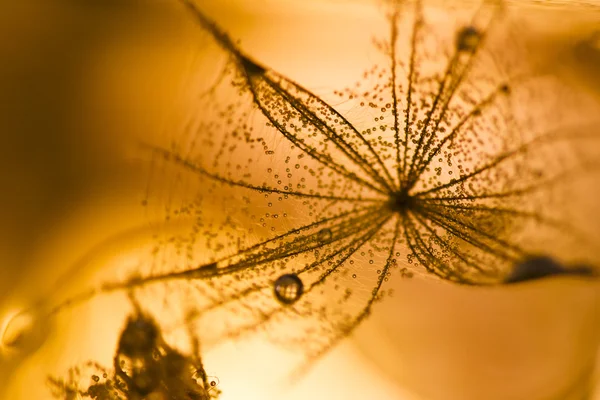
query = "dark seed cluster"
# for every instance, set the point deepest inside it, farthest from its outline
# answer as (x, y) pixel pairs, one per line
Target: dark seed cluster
(145, 367)
(544, 267)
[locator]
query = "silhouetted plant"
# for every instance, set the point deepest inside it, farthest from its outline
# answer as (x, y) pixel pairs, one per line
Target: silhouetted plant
(144, 367)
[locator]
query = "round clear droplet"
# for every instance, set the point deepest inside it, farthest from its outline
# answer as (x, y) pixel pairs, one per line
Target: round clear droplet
(17, 329)
(543, 267)
(23, 332)
(288, 288)
(324, 235)
(467, 39)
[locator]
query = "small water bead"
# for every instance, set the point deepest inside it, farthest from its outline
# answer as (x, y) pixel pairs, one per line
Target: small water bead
(467, 39)
(324, 235)
(288, 288)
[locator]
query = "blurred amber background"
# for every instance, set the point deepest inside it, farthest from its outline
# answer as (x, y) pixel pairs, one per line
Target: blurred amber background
(81, 80)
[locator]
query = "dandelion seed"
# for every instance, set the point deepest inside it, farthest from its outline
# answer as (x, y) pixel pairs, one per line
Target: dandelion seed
(474, 172)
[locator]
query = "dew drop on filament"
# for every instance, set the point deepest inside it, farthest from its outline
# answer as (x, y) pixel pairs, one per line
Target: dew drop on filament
(324, 235)
(467, 39)
(288, 288)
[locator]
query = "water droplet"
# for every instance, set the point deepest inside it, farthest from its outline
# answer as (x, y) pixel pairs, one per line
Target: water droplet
(95, 378)
(17, 329)
(595, 40)
(288, 288)
(22, 332)
(467, 39)
(324, 235)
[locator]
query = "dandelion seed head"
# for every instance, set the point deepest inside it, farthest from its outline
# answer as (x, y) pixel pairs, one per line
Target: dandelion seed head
(431, 165)
(283, 210)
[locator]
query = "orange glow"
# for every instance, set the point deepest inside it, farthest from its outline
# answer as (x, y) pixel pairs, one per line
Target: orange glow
(77, 220)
